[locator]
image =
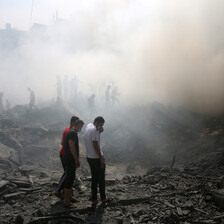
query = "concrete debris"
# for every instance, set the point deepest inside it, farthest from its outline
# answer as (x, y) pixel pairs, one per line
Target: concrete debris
(144, 186)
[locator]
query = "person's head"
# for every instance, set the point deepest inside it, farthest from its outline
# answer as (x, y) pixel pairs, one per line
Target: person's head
(73, 120)
(99, 121)
(78, 125)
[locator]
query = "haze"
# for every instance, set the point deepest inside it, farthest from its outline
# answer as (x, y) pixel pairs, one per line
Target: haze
(166, 51)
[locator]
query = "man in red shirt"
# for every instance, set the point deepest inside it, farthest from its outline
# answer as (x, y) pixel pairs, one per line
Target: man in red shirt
(62, 180)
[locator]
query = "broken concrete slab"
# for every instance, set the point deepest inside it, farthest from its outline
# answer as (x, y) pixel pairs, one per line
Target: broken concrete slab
(14, 196)
(9, 155)
(20, 183)
(10, 141)
(3, 184)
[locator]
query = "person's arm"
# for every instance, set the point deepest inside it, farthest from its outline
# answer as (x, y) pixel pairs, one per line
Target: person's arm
(62, 141)
(73, 152)
(98, 152)
(63, 137)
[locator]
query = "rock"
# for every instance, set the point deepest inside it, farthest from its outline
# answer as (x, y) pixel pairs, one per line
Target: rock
(172, 219)
(8, 155)
(39, 213)
(13, 196)
(218, 198)
(3, 184)
(110, 182)
(36, 130)
(138, 213)
(19, 219)
(20, 183)
(127, 179)
(10, 141)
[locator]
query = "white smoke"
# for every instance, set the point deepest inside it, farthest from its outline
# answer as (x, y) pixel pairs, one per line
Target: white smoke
(167, 51)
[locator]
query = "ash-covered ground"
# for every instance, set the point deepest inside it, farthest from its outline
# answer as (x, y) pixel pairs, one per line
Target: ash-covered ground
(164, 165)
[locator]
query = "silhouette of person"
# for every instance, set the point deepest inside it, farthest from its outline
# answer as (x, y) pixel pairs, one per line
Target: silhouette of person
(107, 98)
(7, 105)
(74, 87)
(71, 160)
(114, 96)
(32, 99)
(62, 150)
(59, 88)
(66, 87)
(91, 105)
(1, 102)
(95, 159)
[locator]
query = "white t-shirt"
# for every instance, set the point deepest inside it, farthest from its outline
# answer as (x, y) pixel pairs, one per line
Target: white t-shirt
(91, 135)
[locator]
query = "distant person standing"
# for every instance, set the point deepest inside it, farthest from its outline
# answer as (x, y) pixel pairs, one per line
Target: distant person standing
(32, 99)
(7, 105)
(91, 105)
(59, 89)
(66, 87)
(114, 96)
(107, 98)
(71, 160)
(61, 183)
(1, 102)
(95, 159)
(74, 87)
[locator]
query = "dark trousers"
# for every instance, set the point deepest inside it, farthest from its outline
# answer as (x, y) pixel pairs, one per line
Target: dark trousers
(62, 180)
(98, 177)
(70, 170)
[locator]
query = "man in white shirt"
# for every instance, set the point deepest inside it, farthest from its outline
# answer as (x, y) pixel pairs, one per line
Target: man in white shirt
(95, 158)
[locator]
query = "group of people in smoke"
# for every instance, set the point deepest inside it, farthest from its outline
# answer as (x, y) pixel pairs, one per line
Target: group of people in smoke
(68, 90)
(69, 155)
(32, 101)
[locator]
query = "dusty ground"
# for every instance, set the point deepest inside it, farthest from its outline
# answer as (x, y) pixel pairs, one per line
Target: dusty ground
(139, 176)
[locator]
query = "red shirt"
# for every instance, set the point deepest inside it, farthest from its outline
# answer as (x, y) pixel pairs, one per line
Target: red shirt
(63, 138)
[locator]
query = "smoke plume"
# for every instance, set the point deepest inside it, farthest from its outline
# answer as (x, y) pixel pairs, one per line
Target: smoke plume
(165, 51)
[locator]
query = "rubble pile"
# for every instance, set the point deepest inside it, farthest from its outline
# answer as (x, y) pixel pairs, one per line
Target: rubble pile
(164, 165)
(151, 136)
(162, 195)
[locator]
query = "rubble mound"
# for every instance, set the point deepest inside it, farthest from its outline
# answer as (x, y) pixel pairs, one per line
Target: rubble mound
(166, 166)
(161, 195)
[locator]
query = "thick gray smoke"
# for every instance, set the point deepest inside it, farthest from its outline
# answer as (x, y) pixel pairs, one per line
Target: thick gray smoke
(167, 51)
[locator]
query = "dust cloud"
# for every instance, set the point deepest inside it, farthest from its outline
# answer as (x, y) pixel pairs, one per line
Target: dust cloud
(171, 52)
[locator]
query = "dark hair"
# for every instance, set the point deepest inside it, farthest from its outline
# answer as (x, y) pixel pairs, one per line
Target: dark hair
(73, 119)
(78, 122)
(99, 120)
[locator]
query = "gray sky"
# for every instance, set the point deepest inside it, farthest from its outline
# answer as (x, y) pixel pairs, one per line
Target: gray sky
(18, 13)
(170, 51)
